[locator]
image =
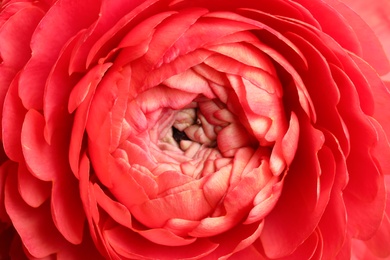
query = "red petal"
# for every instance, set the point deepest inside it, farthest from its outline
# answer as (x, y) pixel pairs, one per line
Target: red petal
(190, 205)
(376, 15)
(110, 12)
(86, 86)
(349, 30)
(33, 191)
(81, 97)
(306, 192)
(67, 210)
(47, 42)
(34, 225)
(381, 95)
(49, 163)
(131, 245)
(58, 87)
(335, 214)
(13, 116)
(235, 240)
(44, 160)
(365, 190)
(16, 34)
(5, 168)
(319, 80)
(89, 203)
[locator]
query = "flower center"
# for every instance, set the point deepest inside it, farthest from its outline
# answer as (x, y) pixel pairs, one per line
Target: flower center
(194, 138)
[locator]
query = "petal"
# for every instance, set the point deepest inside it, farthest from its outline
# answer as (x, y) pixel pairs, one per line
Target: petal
(82, 97)
(190, 205)
(129, 244)
(16, 34)
(34, 225)
(335, 214)
(109, 14)
(33, 191)
(15, 44)
(5, 168)
(46, 43)
(12, 121)
(49, 163)
(88, 198)
(376, 15)
(306, 192)
(46, 162)
(235, 240)
(365, 189)
(59, 84)
(318, 79)
(67, 209)
(349, 30)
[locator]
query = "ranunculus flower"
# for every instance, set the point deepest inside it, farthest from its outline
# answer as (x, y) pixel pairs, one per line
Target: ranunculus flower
(192, 129)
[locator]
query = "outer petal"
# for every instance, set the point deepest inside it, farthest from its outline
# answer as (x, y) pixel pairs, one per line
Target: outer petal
(376, 14)
(350, 31)
(47, 42)
(34, 225)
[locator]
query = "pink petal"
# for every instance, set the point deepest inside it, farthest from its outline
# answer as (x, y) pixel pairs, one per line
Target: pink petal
(196, 36)
(233, 137)
(216, 186)
(122, 182)
(290, 140)
(171, 179)
(250, 56)
(264, 201)
(164, 39)
(190, 82)
(190, 205)
(242, 195)
(146, 179)
(162, 96)
(237, 202)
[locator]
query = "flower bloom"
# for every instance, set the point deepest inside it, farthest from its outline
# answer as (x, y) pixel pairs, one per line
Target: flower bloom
(190, 129)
